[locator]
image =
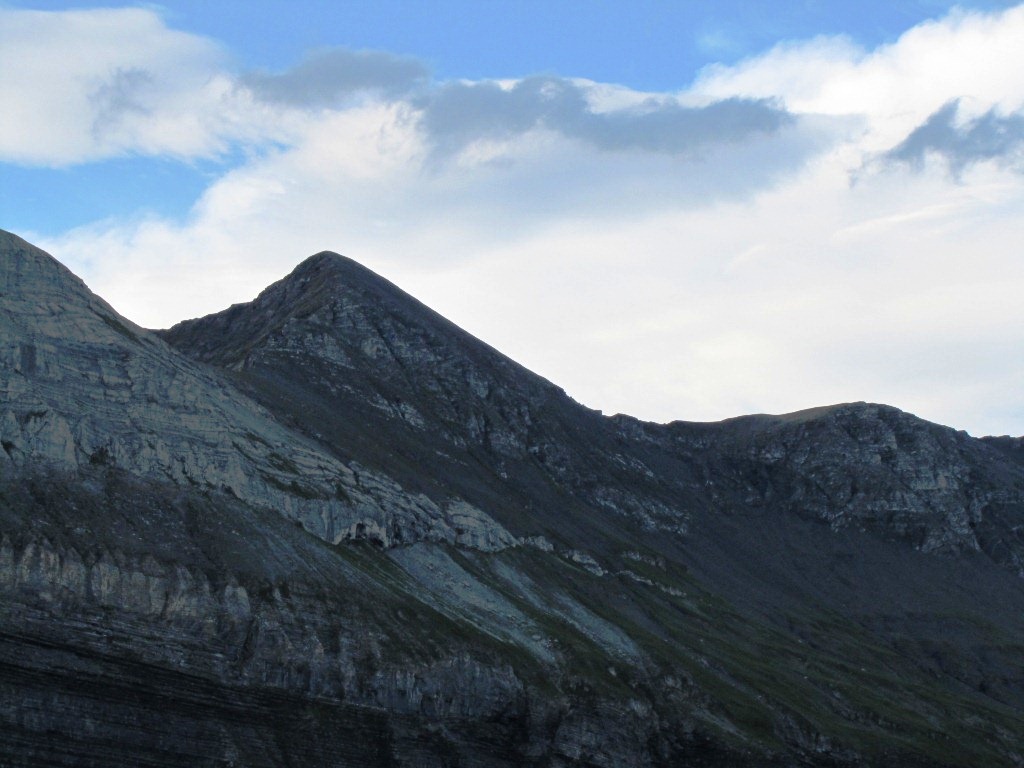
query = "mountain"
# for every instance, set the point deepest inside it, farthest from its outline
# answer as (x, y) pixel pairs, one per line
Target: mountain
(328, 527)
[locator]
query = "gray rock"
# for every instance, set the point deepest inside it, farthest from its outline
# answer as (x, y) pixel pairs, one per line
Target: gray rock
(496, 576)
(85, 386)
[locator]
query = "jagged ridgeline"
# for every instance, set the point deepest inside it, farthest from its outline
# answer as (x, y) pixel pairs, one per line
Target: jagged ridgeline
(330, 528)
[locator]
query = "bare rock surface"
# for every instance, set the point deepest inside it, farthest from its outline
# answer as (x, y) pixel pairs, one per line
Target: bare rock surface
(354, 363)
(83, 385)
(329, 528)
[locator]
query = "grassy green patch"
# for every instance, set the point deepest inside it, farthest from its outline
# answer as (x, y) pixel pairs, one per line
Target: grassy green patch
(116, 325)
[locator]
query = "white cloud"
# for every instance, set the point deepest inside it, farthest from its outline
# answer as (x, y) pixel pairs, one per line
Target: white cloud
(750, 275)
(920, 313)
(974, 56)
(87, 85)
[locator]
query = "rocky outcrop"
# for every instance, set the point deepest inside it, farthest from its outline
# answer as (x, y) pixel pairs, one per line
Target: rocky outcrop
(159, 661)
(242, 675)
(873, 467)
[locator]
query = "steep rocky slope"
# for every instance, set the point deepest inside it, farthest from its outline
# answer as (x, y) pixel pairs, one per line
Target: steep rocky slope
(85, 386)
(365, 369)
(330, 528)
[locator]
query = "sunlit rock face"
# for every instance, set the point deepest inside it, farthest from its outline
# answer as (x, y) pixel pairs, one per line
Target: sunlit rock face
(83, 386)
(330, 528)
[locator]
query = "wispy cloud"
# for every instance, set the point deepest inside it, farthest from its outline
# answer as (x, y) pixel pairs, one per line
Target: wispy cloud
(123, 94)
(992, 136)
(459, 113)
(326, 78)
(80, 86)
(169, 93)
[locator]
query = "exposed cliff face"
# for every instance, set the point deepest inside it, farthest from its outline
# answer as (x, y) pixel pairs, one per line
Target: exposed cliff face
(84, 386)
(195, 648)
(496, 576)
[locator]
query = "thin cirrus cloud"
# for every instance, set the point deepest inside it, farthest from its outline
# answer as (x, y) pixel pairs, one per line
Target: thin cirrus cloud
(990, 137)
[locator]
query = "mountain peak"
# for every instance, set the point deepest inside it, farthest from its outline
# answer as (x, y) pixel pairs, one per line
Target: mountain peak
(315, 288)
(328, 263)
(320, 276)
(325, 258)
(836, 586)
(327, 277)
(27, 271)
(43, 298)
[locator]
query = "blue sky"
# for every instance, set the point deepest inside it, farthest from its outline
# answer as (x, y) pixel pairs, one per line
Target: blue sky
(658, 45)
(645, 44)
(673, 209)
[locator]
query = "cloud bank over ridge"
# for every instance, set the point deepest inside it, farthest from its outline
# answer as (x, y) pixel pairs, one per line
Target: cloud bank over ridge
(694, 254)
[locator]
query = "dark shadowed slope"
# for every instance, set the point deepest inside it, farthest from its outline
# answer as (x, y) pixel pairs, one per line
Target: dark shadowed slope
(777, 513)
(370, 372)
(347, 533)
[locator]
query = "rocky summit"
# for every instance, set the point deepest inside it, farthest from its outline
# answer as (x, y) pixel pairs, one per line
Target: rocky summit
(330, 528)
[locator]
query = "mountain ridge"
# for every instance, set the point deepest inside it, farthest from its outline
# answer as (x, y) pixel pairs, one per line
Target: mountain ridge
(426, 555)
(371, 335)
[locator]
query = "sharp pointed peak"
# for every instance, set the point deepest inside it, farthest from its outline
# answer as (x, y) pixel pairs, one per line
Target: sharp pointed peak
(317, 282)
(325, 274)
(328, 261)
(325, 258)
